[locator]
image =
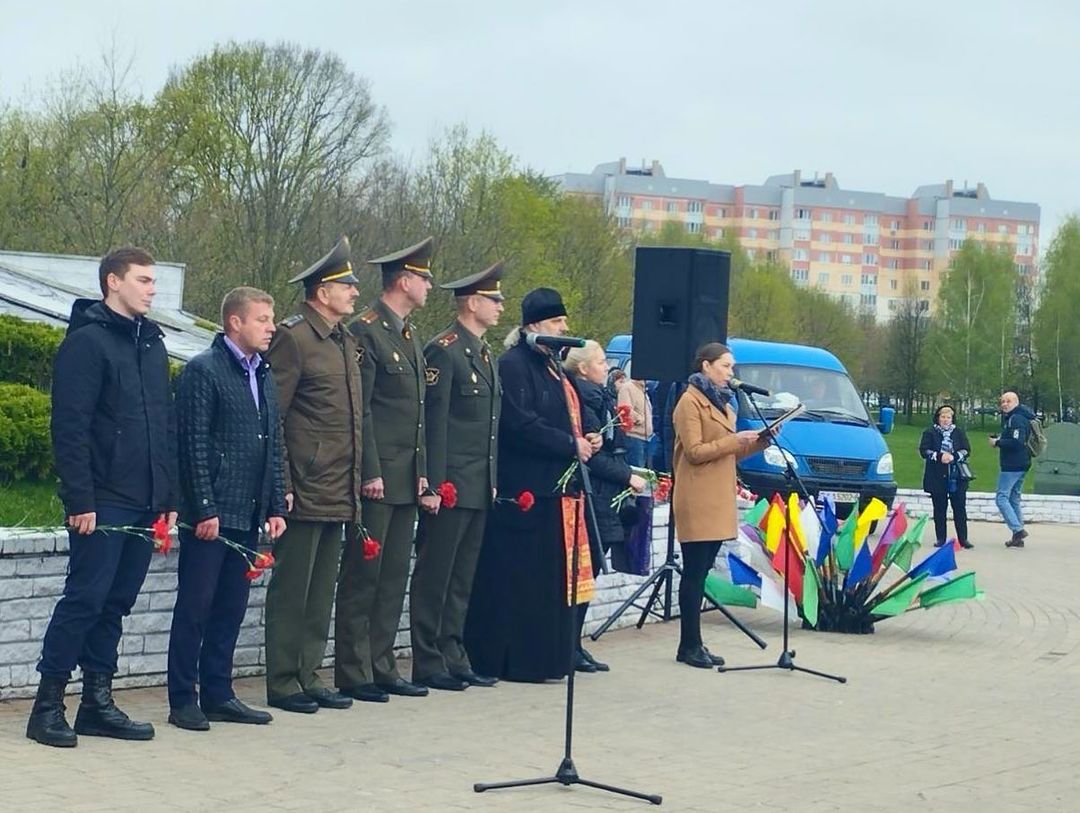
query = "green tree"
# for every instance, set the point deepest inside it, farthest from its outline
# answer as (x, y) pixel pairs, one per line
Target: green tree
(1056, 330)
(905, 343)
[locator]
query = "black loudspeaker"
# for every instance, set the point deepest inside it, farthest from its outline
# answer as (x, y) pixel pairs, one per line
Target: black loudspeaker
(680, 303)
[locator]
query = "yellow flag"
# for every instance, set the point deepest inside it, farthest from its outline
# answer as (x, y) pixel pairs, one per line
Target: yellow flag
(795, 513)
(874, 511)
(774, 523)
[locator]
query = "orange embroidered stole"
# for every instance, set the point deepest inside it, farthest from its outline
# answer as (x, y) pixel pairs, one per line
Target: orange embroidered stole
(573, 510)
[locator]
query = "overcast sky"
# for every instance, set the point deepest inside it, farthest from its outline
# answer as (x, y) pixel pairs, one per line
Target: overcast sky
(885, 95)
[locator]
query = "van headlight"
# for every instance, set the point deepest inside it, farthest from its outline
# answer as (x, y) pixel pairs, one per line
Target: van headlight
(884, 464)
(776, 457)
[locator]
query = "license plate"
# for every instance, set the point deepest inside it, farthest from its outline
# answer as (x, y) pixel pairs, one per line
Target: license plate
(840, 496)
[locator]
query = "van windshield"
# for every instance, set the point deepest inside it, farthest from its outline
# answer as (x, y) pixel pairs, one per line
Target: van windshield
(828, 395)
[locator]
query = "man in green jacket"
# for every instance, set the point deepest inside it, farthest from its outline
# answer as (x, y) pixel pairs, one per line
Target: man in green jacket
(394, 478)
(462, 406)
(319, 398)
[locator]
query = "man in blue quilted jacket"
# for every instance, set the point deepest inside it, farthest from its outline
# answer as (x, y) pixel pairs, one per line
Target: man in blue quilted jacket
(232, 488)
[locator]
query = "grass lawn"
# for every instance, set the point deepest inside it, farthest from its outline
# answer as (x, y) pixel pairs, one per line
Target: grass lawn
(30, 503)
(904, 444)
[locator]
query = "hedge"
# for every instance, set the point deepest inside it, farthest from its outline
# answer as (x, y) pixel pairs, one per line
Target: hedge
(27, 350)
(25, 443)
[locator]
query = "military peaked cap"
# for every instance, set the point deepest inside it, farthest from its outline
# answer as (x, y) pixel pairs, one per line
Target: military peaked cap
(414, 258)
(484, 283)
(334, 267)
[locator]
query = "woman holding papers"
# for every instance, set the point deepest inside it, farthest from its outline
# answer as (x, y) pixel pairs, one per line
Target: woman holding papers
(707, 445)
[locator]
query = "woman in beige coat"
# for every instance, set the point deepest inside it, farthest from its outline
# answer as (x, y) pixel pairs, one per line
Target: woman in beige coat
(707, 445)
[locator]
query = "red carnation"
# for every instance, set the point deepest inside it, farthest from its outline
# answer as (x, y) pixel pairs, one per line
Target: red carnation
(663, 490)
(626, 417)
(162, 539)
(264, 560)
(448, 492)
(372, 548)
(252, 574)
(525, 500)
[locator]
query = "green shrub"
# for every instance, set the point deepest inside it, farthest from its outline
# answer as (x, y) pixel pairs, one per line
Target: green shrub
(27, 350)
(25, 443)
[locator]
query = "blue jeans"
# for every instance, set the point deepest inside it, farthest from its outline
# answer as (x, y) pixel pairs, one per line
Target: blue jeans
(1009, 486)
(637, 452)
(105, 573)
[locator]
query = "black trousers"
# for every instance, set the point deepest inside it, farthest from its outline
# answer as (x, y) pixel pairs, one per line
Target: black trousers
(105, 573)
(697, 561)
(941, 501)
(211, 599)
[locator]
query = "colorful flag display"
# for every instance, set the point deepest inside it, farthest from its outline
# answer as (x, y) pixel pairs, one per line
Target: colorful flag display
(841, 579)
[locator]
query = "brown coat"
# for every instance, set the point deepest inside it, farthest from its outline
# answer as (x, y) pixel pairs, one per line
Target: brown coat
(706, 449)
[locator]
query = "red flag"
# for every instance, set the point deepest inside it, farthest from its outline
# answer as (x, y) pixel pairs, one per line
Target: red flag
(798, 567)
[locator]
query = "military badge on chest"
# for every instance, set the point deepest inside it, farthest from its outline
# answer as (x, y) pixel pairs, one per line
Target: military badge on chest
(360, 355)
(431, 376)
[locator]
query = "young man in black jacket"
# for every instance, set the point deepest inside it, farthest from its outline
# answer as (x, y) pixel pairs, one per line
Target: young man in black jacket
(233, 484)
(114, 450)
(1015, 462)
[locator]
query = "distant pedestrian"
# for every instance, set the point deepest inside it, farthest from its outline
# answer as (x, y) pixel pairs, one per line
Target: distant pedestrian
(1015, 462)
(944, 447)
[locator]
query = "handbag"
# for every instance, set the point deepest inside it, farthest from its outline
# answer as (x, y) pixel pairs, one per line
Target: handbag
(964, 471)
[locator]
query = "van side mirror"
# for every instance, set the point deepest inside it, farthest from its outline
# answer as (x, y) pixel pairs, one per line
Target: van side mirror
(888, 418)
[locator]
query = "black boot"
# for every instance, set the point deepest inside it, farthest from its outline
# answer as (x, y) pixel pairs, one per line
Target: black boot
(98, 715)
(47, 723)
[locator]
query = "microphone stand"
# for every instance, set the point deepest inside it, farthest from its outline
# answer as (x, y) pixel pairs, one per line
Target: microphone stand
(787, 656)
(567, 774)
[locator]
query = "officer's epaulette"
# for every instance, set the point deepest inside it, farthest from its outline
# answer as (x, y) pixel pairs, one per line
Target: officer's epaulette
(368, 316)
(447, 340)
(293, 320)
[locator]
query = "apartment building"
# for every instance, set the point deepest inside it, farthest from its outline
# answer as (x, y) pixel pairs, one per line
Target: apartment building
(862, 247)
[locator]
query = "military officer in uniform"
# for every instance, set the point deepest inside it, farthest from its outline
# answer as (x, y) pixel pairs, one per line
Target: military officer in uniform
(319, 397)
(394, 479)
(462, 410)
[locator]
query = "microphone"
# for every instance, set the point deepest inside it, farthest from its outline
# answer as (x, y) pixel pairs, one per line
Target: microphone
(553, 342)
(750, 389)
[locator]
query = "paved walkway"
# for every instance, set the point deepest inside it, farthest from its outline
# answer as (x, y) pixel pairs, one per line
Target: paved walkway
(974, 706)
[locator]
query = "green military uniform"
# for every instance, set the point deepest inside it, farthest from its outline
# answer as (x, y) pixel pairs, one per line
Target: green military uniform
(463, 399)
(319, 392)
(371, 592)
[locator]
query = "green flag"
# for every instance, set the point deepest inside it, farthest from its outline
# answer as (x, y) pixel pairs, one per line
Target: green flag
(916, 533)
(845, 543)
(810, 587)
(754, 514)
(960, 588)
(723, 592)
(899, 601)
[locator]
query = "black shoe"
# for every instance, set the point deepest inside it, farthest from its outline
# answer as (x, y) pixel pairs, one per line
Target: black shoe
(402, 687)
(583, 664)
(966, 545)
(443, 681)
(474, 679)
(940, 543)
(98, 715)
(695, 657)
(189, 718)
(47, 723)
(1017, 540)
(330, 699)
(716, 659)
(236, 711)
(299, 703)
(600, 665)
(1023, 533)
(367, 693)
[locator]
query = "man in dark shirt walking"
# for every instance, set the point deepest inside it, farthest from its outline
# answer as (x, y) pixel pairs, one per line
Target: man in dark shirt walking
(114, 450)
(232, 485)
(1015, 462)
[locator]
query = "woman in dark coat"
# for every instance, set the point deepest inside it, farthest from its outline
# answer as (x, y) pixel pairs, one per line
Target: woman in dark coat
(519, 624)
(610, 472)
(943, 447)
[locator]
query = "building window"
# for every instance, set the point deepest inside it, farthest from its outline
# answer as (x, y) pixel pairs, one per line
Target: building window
(802, 214)
(870, 220)
(849, 239)
(895, 225)
(750, 253)
(718, 212)
(845, 259)
(955, 245)
(845, 279)
(928, 245)
(624, 222)
(753, 214)
(823, 278)
(825, 217)
(868, 300)
(1023, 270)
(774, 214)
(893, 263)
(892, 285)
(870, 239)
(800, 254)
(800, 274)
(624, 201)
(694, 207)
(849, 219)
(672, 207)
(1022, 229)
(924, 285)
(824, 237)
(958, 224)
(802, 234)
(752, 234)
(927, 265)
(646, 205)
(718, 233)
(869, 279)
(823, 257)
(981, 228)
(928, 225)
(894, 245)
(1003, 229)
(869, 259)
(693, 228)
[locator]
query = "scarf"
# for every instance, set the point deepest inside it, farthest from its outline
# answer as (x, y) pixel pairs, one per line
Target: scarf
(946, 436)
(719, 397)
